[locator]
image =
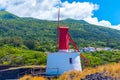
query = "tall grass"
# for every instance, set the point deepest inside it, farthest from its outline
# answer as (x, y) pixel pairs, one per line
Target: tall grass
(112, 70)
(29, 77)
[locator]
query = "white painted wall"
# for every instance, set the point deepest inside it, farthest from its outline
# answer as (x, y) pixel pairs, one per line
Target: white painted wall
(58, 63)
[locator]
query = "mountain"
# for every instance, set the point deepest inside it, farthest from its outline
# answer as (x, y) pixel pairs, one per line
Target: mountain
(7, 15)
(17, 30)
(69, 20)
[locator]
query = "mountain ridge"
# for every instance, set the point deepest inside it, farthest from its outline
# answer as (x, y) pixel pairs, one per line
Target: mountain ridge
(83, 33)
(7, 15)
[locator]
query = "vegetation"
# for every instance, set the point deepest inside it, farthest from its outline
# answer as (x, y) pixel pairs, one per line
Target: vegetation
(10, 55)
(25, 41)
(102, 57)
(40, 35)
(19, 56)
(112, 70)
(29, 77)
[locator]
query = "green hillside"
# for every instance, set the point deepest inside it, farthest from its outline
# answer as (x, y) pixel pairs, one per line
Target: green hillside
(21, 56)
(7, 15)
(10, 55)
(24, 41)
(41, 34)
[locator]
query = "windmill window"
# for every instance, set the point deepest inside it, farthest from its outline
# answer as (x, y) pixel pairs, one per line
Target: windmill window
(70, 60)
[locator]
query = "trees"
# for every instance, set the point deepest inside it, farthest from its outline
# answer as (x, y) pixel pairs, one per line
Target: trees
(17, 56)
(20, 31)
(102, 57)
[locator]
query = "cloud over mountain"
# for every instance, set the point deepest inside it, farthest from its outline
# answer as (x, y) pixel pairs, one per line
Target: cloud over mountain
(47, 9)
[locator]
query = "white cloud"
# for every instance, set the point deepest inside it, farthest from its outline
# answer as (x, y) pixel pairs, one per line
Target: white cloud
(46, 9)
(95, 21)
(104, 23)
(77, 10)
(115, 26)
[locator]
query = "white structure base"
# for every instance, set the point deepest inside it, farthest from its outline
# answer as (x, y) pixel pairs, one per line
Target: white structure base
(60, 62)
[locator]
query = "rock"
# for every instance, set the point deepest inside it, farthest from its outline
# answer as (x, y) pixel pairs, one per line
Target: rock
(98, 76)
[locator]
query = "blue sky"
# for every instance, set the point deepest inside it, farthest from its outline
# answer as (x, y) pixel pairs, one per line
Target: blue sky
(108, 9)
(98, 12)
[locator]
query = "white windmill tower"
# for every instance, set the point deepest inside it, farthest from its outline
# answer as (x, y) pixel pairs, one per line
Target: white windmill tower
(63, 60)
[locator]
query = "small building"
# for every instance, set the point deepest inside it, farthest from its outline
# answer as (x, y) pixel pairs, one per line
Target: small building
(89, 49)
(63, 60)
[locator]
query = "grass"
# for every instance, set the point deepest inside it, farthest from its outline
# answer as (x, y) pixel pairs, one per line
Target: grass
(112, 70)
(29, 77)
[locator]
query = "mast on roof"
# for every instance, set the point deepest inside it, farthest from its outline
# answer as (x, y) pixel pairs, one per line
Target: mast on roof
(58, 16)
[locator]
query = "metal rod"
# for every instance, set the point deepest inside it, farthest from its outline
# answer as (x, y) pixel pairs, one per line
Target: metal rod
(59, 17)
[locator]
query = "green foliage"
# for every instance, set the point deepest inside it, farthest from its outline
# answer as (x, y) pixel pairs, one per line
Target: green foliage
(102, 57)
(21, 56)
(24, 35)
(6, 15)
(17, 56)
(17, 31)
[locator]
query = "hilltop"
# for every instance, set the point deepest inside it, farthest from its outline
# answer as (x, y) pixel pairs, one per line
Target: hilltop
(17, 31)
(7, 15)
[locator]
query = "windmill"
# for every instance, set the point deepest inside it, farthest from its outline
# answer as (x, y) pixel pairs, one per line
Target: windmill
(64, 60)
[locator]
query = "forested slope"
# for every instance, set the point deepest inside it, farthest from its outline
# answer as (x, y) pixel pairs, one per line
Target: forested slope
(19, 31)
(20, 36)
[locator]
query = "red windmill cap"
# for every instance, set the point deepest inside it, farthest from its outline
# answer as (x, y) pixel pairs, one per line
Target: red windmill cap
(63, 38)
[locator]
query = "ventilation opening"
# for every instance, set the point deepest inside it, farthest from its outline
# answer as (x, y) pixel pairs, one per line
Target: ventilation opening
(70, 60)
